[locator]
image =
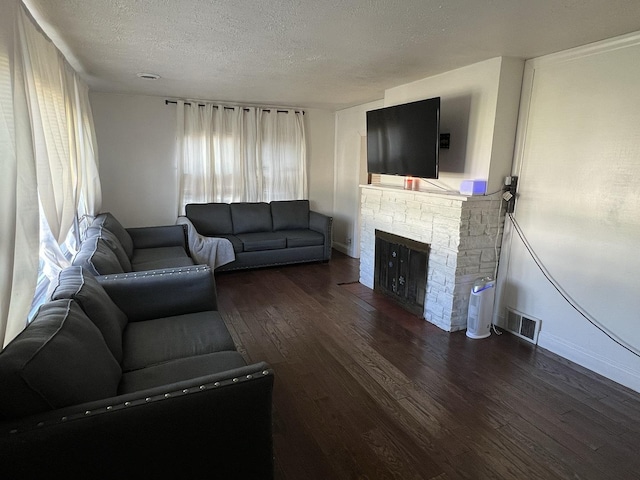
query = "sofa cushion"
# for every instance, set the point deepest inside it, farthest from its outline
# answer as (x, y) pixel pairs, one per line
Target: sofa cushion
(251, 217)
(110, 222)
(60, 359)
(160, 257)
(178, 370)
(96, 256)
(113, 243)
(76, 283)
(303, 238)
(210, 219)
(290, 214)
(151, 342)
(253, 242)
(235, 241)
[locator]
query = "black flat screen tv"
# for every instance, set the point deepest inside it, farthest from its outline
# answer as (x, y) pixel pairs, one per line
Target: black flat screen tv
(404, 139)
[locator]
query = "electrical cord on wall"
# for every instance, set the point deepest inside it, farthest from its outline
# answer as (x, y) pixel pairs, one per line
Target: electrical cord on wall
(562, 292)
(495, 245)
(495, 249)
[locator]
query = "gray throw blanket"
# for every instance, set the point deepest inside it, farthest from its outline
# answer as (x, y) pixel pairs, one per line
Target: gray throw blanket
(212, 251)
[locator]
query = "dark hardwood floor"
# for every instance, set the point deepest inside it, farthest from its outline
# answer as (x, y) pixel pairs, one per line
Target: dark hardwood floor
(366, 390)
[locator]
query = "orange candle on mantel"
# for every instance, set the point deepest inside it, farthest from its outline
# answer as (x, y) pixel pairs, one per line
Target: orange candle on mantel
(408, 183)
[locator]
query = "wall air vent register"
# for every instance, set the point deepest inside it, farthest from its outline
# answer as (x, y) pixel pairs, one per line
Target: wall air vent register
(522, 326)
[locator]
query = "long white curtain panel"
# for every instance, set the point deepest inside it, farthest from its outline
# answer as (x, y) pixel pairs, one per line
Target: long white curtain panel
(50, 176)
(239, 154)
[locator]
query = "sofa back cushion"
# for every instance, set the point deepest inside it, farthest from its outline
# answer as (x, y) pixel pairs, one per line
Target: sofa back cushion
(113, 243)
(59, 360)
(251, 217)
(210, 219)
(97, 258)
(110, 222)
(76, 283)
(290, 214)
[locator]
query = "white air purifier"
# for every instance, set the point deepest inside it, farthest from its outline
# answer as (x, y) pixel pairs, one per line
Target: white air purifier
(481, 308)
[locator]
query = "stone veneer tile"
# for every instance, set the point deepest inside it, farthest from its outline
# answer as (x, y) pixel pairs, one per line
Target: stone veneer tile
(460, 230)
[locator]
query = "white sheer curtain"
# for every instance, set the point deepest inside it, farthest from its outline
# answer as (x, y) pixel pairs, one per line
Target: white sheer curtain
(63, 133)
(54, 118)
(83, 151)
(18, 192)
(239, 154)
(282, 146)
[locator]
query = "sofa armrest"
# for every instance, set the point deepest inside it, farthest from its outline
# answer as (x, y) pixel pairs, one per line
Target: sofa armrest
(159, 236)
(162, 293)
(321, 223)
(215, 426)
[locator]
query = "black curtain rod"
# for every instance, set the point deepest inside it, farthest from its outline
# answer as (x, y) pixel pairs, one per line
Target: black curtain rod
(167, 102)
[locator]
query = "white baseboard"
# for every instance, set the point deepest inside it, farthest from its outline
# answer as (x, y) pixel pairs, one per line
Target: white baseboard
(343, 248)
(604, 366)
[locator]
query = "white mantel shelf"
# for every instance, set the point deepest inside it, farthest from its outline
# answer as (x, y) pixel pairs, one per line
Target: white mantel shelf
(448, 194)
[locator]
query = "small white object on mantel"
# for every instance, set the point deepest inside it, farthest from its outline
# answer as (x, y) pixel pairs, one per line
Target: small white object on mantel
(473, 187)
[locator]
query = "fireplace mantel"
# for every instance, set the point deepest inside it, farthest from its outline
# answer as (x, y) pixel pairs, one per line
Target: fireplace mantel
(432, 193)
(464, 233)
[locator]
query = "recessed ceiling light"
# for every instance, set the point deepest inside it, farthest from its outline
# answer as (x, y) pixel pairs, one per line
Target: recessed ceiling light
(148, 76)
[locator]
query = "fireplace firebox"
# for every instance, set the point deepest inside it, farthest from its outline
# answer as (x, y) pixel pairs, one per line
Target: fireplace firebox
(400, 270)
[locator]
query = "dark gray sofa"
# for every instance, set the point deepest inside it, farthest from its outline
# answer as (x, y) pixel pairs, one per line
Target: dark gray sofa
(111, 248)
(133, 376)
(265, 234)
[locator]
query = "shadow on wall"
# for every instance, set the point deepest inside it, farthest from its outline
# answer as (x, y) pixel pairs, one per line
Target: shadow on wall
(454, 119)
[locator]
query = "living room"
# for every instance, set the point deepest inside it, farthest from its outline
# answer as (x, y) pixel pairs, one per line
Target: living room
(561, 120)
(480, 109)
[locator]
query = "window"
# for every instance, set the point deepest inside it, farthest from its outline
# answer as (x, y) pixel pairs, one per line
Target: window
(240, 154)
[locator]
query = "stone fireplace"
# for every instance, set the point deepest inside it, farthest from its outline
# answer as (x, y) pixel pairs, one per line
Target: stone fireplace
(463, 234)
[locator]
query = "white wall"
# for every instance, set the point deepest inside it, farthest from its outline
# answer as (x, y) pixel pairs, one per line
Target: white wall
(350, 172)
(479, 108)
(136, 142)
(136, 145)
(320, 132)
(578, 163)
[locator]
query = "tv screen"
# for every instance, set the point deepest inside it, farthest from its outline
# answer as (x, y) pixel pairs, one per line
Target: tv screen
(404, 139)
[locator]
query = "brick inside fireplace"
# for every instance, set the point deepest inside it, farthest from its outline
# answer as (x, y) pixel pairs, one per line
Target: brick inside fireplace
(401, 270)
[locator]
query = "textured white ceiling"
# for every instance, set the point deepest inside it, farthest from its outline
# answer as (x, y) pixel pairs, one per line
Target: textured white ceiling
(309, 53)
